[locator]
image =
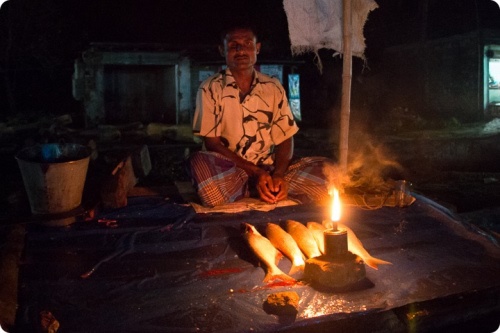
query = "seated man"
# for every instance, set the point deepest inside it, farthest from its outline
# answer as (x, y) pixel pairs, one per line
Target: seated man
(247, 129)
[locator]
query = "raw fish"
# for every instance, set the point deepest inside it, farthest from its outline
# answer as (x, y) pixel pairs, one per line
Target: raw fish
(266, 253)
(317, 231)
(303, 237)
(285, 243)
(353, 243)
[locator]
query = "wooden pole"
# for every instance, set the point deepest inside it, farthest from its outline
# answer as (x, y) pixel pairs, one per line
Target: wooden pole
(345, 109)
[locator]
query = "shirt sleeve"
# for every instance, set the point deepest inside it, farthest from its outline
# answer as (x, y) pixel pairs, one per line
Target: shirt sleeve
(206, 116)
(284, 124)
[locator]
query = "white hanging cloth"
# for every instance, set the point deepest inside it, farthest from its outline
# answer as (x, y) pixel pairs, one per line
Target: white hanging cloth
(316, 24)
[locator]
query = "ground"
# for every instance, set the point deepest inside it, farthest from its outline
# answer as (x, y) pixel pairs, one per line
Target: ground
(458, 168)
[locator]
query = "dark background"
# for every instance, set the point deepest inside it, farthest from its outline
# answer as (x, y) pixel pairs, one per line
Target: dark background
(39, 40)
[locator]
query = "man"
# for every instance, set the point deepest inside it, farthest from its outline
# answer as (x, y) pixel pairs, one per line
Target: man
(247, 129)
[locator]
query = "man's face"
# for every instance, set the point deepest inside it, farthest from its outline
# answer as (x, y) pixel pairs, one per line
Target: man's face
(240, 49)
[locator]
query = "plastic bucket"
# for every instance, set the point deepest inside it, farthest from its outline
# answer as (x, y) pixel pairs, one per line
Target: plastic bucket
(54, 176)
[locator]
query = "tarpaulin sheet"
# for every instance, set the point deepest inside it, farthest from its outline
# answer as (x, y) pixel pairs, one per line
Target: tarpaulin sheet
(162, 268)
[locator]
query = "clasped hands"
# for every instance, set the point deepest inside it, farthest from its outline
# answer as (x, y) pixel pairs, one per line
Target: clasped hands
(271, 188)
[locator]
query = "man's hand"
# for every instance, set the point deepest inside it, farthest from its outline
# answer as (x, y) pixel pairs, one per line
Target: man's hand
(280, 187)
(271, 188)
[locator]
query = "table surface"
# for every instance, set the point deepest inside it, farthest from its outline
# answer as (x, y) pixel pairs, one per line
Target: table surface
(160, 267)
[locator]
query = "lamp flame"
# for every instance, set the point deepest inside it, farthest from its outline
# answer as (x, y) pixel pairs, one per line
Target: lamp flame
(336, 211)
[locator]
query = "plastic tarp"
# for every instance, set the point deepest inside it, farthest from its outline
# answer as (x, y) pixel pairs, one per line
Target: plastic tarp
(163, 268)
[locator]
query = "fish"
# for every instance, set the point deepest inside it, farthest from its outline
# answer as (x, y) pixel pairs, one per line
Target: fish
(303, 237)
(355, 246)
(317, 230)
(285, 243)
(266, 253)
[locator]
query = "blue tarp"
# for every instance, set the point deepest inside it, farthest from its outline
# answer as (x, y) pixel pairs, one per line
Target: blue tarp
(163, 268)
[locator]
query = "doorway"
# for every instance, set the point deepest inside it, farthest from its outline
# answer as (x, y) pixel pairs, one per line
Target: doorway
(140, 93)
(492, 76)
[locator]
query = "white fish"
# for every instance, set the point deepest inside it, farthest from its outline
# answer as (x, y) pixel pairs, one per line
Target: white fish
(318, 232)
(266, 253)
(355, 246)
(285, 243)
(303, 237)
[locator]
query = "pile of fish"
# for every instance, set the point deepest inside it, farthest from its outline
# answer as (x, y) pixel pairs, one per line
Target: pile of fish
(297, 242)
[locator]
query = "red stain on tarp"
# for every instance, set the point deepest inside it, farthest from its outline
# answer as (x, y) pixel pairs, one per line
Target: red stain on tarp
(217, 272)
(241, 291)
(280, 283)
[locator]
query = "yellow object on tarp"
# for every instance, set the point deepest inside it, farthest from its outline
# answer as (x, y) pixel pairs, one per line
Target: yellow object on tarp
(243, 205)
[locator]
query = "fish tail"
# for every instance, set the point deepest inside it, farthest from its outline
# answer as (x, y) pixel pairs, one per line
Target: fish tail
(374, 262)
(270, 276)
(278, 257)
(296, 268)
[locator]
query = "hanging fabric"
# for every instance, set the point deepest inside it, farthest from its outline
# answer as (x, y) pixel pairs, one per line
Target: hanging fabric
(317, 24)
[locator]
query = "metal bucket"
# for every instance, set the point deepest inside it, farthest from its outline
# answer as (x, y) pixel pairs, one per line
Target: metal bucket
(54, 176)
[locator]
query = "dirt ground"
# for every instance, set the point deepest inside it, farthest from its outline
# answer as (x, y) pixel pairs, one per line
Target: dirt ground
(457, 168)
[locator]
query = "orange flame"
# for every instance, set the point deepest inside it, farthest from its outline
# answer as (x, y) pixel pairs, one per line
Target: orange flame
(335, 217)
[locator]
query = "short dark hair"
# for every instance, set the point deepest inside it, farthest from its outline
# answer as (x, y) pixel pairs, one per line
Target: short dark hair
(238, 26)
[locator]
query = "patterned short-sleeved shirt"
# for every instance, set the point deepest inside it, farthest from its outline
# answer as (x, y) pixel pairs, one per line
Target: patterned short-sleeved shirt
(251, 128)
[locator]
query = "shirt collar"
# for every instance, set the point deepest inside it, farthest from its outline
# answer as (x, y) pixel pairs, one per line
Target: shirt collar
(229, 79)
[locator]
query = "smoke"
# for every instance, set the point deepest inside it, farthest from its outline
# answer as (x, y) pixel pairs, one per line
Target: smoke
(370, 168)
(335, 177)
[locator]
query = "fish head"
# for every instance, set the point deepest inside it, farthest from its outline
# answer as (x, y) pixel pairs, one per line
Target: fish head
(315, 226)
(328, 224)
(248, 228)
(290, 224)
(270, 225)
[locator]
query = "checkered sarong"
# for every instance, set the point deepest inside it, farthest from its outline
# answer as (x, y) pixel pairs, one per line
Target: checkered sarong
(218, 180)
(305, 177)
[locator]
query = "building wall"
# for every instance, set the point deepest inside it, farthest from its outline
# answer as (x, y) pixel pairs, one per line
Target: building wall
(437, 79)
(131, 86)
(185, 91)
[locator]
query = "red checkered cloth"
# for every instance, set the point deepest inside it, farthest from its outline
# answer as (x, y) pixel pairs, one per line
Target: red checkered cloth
(218, 180)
